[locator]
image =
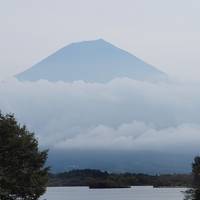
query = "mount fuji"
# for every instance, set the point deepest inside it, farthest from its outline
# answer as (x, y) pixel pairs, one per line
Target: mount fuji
(91, 61)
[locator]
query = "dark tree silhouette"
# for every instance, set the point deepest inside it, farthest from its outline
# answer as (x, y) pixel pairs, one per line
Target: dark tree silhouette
(22, 171)
(194, 194)
(196, 174)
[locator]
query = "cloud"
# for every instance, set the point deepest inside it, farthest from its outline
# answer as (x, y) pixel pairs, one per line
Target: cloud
(136, 136)
(122, 114)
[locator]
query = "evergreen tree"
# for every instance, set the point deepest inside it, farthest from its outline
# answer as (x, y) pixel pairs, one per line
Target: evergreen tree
(196, 175)
(194, 194)
(22, 171)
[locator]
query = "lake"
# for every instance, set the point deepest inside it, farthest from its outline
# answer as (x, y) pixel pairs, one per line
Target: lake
(133, 193)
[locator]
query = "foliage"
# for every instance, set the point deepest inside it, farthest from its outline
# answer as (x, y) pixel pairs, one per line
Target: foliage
(194, 193)
(92, 178)
(22, 171)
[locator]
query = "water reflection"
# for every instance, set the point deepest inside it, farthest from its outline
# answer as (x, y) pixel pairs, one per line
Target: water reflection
(193, 194)
(134, 193)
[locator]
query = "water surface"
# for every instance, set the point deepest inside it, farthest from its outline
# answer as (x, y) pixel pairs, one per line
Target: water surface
(134, 193)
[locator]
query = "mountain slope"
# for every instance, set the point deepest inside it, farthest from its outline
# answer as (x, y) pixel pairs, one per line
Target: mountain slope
(91, 61)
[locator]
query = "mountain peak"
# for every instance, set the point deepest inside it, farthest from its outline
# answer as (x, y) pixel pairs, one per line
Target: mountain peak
(100, 40)
(96, 42)
(91, 61)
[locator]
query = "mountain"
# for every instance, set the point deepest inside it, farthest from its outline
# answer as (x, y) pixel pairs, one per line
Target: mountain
(150, 162)
(91, 61)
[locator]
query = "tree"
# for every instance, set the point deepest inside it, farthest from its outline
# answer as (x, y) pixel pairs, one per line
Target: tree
(23, 174)
(196, 175)
(194, 194)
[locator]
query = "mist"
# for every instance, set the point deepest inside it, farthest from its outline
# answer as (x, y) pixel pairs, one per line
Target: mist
(122, 114)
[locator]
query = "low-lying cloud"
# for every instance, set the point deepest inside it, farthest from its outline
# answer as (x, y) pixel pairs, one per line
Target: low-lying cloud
(123, 114)
(136, 136)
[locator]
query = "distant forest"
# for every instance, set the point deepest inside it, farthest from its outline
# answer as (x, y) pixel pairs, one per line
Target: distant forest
(100, 179)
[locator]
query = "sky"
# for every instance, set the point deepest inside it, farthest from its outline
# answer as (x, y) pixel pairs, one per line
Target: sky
(121, 114)
(163, 33)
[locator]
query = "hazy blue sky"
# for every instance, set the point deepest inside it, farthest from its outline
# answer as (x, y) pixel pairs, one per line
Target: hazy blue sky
(163, 33)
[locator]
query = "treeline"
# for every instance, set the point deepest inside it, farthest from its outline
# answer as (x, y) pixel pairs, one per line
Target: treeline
(100, 179)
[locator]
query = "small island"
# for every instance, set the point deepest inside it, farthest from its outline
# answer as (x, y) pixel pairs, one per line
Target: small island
(107, 184)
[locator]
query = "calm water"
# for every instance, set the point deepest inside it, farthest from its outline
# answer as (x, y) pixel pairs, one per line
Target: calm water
(134, 193)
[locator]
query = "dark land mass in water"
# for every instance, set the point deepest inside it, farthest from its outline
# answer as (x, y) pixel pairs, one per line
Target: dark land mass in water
(99, 179)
